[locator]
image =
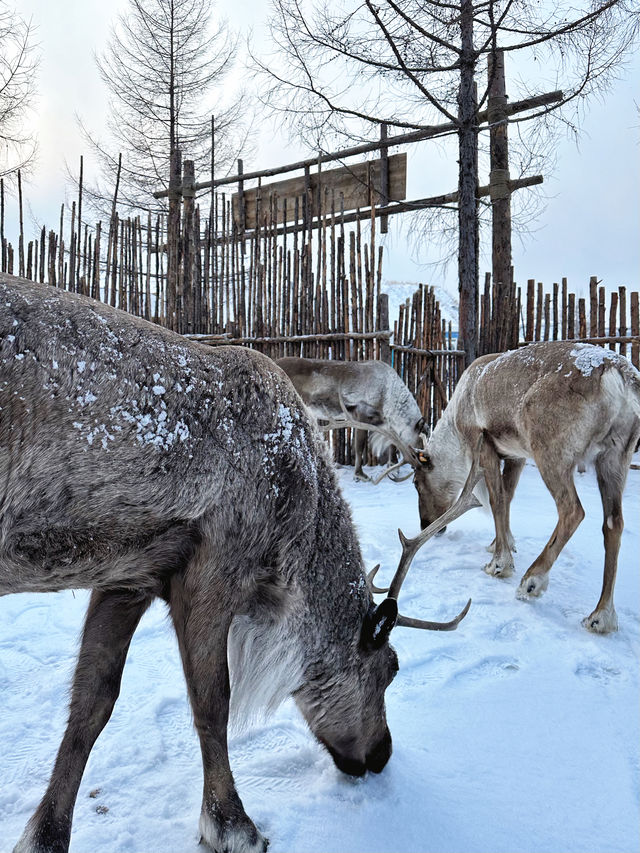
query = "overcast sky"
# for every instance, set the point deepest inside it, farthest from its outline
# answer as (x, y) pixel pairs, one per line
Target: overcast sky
(592, 221)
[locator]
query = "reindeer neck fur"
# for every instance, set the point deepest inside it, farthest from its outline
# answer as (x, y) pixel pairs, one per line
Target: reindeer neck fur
(273, 648)
(449, 454)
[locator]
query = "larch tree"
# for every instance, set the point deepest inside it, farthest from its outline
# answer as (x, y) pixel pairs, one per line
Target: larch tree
(18, 68)
(339, 69)
(161, 65)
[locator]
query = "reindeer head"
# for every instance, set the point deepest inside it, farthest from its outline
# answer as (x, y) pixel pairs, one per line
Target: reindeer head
(436, 482)
(342, 700)
(433, 499)
(342, 697)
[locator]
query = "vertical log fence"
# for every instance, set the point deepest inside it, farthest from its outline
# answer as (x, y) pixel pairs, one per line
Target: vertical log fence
(303, 282)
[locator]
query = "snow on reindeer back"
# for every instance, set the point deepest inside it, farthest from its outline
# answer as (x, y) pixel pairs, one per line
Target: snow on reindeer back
(587, 357)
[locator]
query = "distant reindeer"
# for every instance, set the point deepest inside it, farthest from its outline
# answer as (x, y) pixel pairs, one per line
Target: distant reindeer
(366, 395)
(560, 404)
(140, 465)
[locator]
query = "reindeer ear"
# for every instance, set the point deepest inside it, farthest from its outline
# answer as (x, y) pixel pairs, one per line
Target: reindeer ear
(378, 624)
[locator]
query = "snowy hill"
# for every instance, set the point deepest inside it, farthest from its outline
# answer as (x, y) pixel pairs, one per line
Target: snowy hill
(400, 291)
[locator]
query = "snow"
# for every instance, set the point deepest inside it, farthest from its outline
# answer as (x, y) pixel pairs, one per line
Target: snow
(587, 357)
(400, 291)
(517, 732)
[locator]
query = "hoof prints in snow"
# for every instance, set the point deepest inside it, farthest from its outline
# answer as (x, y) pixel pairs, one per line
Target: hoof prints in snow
(177, 734)
(599, 671)
(279, 759)
(491, 667)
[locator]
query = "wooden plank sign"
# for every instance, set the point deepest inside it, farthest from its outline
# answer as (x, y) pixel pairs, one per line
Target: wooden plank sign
(350, 182)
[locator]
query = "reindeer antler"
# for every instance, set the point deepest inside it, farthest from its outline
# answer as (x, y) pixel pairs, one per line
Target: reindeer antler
(409, 455)
(370, 576)
(410, 547)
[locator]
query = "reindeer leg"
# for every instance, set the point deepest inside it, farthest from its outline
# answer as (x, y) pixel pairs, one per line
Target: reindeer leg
(612, 474)
(202, 619)
(111, 620)
(501, 565)
(511, 470)
(570, 514)
(360, 443)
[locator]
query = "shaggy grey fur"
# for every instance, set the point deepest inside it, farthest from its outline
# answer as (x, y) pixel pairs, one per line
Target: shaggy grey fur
(372, 393)
(137, 464)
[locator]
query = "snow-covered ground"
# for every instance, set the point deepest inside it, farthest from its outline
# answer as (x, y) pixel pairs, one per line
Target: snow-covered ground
(518, 732)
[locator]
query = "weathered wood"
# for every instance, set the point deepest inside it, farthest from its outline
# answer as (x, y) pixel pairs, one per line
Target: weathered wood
(635, 329)
(352, 182)
(593, 306)
(428, 132)
(500, 194)
(528, 336)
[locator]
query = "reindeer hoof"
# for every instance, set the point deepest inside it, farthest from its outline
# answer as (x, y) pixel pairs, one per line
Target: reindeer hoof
(361, 477)
(500, 568)
(601, 622)
(532, 587)
(229, 837)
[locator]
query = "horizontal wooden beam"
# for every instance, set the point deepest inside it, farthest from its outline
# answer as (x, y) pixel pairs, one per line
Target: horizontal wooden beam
(401, 139)
(426, 352)
(611, 339)
(392, 209)
(227, 339)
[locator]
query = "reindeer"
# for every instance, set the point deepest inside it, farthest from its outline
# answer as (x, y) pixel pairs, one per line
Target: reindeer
(366, 395)
(560, 404)
(140, 465)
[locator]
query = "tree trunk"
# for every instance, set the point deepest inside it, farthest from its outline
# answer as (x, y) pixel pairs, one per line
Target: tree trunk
(500, 207)
(468, 246)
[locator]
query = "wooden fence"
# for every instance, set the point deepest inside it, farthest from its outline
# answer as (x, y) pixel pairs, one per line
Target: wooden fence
(298, 284)
(290, 286)
(611, 319)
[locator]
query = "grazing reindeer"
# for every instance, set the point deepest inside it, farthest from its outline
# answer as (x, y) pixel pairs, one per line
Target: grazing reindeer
(368, 395)
(560, 404)
(140, 465)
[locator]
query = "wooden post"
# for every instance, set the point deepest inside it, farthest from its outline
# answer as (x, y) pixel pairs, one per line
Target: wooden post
(383, 308)
(384, 177)
(571, 316)
(622, 291)
(538, 313)
(582, 318)
(468, 227)
(635, 329)
(613, 312)
(241, 206)
(78, 244)
(593, 307)
(547, 310)
(173, 238)
(528, 335)
(601, 312)
(21, 237)
(500, 195)
(3, 245)
(186, 321)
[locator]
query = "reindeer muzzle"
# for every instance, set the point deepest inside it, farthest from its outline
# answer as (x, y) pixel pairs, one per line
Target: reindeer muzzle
(375, 761)
(380, 754)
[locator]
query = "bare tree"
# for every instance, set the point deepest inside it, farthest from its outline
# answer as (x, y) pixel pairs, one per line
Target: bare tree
(18, 65)
(161, 64)
(339, 68)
